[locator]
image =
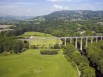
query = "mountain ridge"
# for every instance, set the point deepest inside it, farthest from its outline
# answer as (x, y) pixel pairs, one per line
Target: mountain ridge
(73, 14)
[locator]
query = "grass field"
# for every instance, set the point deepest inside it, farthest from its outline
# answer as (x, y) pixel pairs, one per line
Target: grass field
(41, 39)
(44, 42)
(32, 64)
(36, 34)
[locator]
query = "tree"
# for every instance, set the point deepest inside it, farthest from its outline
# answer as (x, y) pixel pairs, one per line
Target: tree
(17, 46)
(88, 72)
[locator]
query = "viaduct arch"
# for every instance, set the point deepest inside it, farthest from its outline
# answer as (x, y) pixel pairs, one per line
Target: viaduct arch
(81, 38)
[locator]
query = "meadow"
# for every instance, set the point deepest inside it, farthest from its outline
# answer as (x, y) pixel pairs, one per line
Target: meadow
(41, 39)
(36, 34)
(32, 64)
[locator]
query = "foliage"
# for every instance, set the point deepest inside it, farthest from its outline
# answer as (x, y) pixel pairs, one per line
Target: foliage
(56, 46)
(72, 55)
(49, 52)
(95, 54)
(9, 43)
(58, 28)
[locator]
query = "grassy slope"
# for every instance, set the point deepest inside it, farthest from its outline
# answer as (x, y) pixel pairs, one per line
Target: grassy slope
(44, 42)
(32, 64)
(36, 34)
(40, 39)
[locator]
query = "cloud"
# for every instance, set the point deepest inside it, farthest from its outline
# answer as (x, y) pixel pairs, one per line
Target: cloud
(60, 7)
(58, 0)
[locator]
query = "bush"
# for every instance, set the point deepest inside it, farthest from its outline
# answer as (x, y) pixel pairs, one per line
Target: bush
(49, 52)
(34, 47)
(5, 53)
(56, 46)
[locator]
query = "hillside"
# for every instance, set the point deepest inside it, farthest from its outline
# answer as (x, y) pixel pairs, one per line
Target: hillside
(74, 15)
(40, 39)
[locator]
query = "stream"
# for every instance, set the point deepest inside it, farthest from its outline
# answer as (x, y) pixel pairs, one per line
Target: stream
(98, 74)
(83, 52)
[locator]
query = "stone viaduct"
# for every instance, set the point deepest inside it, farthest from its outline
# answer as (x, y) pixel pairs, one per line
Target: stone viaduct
(81, 38)
(75, 39)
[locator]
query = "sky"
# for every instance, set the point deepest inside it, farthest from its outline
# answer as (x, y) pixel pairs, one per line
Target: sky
(43, 7)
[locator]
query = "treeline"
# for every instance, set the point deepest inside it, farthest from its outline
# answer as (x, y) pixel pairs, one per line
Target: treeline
(9, 44)
(58, 27)
(95, 55)
(77, 59)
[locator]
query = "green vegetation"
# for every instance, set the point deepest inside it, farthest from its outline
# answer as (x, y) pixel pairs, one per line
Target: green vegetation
(95, 54)
(77, 59)
(9, 44)
(35, 34)
(48, 52)
(41, 40)
(31, 64)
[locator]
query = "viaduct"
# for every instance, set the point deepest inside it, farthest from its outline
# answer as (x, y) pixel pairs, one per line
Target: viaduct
(75, 39)
(82, 38)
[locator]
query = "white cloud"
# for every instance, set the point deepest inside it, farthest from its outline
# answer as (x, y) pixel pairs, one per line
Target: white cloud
(58, 0)
(60, 7)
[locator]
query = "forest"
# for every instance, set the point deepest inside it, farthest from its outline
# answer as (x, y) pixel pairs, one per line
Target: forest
(58, 28)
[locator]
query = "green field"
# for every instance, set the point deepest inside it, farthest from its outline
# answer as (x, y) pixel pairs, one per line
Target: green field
(41, 39)
(32, 64)
(36, 34)
(44, 42)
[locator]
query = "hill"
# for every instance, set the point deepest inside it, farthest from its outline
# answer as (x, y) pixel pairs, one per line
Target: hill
(74, 15)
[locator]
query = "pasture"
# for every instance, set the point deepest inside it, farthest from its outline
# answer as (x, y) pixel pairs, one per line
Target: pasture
(41, 39)
(35, 34)
(31, 64)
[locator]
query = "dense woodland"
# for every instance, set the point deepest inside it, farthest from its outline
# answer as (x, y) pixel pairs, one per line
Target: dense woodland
(58, 28)
(95, 55)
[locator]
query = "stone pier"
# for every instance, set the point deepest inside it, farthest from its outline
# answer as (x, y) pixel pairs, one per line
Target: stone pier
(86, 43)
(65, 41)
(70, 40)
(91, 39)
(75, 42)
(81, 43)
(96, 39)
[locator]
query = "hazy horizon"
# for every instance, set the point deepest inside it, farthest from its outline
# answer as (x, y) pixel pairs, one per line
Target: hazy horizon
(44, 7)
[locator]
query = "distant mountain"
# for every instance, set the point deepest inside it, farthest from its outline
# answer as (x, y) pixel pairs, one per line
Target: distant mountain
(13, 18)
(74, 15)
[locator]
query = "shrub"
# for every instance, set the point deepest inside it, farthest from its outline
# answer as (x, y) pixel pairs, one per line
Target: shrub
(5, 53)
(56, 46)
(49, 52)
(34, 47)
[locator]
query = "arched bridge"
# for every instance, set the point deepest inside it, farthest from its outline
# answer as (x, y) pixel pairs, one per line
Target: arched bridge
(81, 38)
(75, 39)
